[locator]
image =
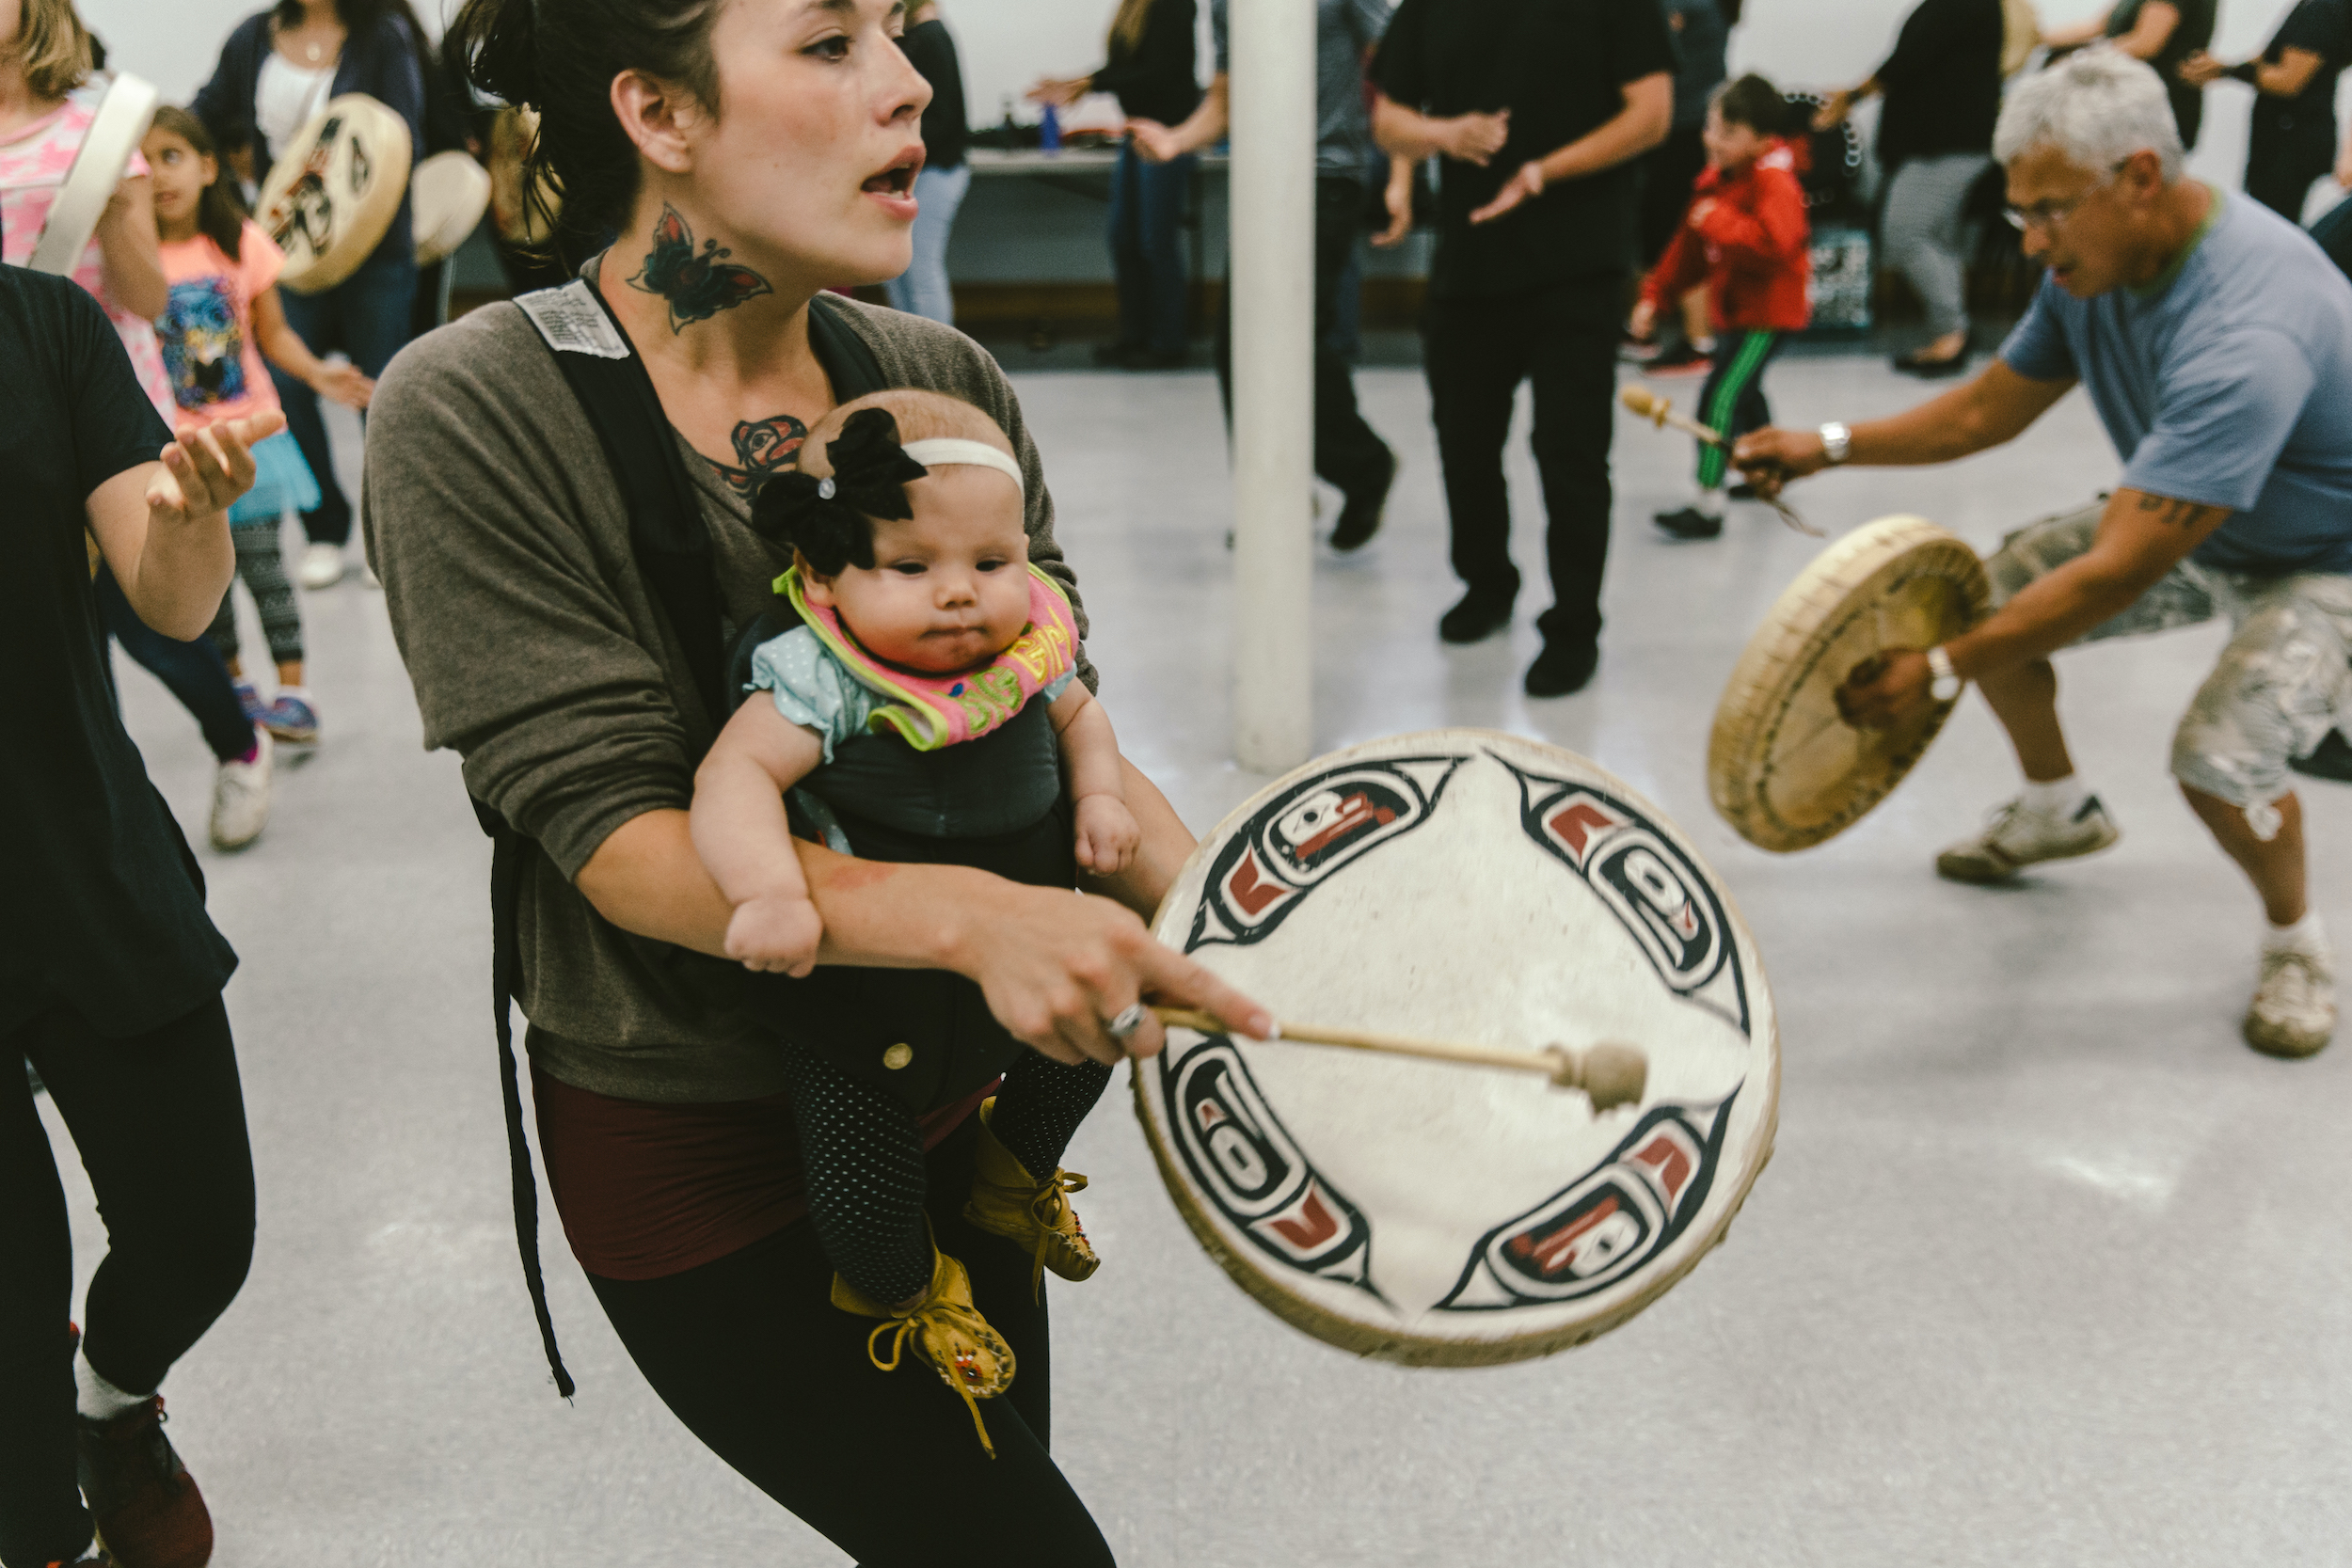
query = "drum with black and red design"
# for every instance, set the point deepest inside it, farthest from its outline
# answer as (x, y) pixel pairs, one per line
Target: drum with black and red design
(1472, 886)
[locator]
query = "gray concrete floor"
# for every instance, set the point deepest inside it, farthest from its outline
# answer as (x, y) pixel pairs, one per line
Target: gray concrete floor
(2050, 1269)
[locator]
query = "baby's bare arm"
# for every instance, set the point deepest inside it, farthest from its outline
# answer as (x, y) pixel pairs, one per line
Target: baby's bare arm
(1089, 749)
(1107, 833)
(738, 820)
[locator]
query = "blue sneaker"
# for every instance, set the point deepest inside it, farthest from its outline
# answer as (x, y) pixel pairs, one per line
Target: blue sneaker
(250, 700)
(291, 719)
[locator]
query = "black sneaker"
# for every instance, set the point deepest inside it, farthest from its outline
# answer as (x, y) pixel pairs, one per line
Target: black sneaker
(1742, 491)
(1359, 518)
(1477, 617)
(2330, 759)
(1115, 355)
(146, 1505)
(1918, 365)
(1563, 668)
(1689, 523)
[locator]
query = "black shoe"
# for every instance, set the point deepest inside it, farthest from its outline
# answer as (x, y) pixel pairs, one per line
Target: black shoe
(1478, 617)
(1913, 364)
(1689, 523)
(144, 1502)
(1742, 491)
(1563, 668)
(1115, 355)
(1359, 518)
(1157, 360)
(2330, 759)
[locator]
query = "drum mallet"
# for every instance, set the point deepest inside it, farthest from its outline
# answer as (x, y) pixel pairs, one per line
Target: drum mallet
(1610, 1074)
(1660, 412)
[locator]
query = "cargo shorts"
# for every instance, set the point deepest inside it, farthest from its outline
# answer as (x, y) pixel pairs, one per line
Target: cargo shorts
(2282, 683)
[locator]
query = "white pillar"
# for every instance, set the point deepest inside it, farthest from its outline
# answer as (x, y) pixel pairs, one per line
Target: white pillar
(1273, 205)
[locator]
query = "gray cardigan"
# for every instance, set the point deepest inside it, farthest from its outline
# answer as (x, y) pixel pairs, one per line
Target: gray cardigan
(539, 656)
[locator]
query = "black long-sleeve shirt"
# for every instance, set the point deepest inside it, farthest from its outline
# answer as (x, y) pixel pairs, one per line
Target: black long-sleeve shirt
(1943, 82)
(1157, 79)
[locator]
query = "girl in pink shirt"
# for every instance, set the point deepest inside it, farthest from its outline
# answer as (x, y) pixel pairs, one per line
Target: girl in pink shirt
(223, 318)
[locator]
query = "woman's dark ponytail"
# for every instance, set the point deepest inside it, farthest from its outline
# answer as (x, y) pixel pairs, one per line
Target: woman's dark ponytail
(560, 57)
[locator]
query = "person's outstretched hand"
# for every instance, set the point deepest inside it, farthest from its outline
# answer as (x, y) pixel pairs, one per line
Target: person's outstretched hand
(1398, 197)
(1154, 143)
(1057, 967)
(1522, 187)
(206, 468)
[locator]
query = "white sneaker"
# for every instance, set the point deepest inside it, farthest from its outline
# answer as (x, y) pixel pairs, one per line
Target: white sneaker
(2017, 836)
(241, 798)
(2294, 1010)
(321, 567)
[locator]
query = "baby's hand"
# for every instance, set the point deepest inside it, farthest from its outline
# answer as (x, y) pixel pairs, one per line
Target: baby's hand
(775, 934)
(1107, 834)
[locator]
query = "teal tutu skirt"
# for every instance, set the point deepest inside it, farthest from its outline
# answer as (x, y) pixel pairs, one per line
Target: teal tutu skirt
(281, 483)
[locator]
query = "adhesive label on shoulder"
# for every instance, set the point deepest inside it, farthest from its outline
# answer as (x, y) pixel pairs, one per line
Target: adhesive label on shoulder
(572, 322)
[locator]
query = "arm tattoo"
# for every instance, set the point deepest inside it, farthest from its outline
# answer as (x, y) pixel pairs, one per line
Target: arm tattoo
(698, 285)
(762, 447)
(2179, 513)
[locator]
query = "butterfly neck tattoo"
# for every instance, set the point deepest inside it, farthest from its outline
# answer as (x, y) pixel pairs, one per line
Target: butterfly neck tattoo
(696, 284)
(762, 447)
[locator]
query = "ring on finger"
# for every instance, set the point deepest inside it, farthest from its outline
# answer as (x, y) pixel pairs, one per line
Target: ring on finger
(1124, 1027)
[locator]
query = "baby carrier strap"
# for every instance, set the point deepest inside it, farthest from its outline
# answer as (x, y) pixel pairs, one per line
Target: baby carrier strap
(671, 543)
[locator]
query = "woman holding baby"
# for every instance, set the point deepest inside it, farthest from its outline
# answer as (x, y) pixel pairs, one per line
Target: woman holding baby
(743, 155)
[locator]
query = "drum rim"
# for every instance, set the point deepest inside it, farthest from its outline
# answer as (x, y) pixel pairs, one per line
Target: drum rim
(1759, 684)
(429, 247)
(128, 96)
(316, 278)
(1410, 1350)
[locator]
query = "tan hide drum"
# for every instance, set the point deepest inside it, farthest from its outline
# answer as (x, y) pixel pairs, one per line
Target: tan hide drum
(1470, 885)
(117, 127)
(330, 200)
(447, 197)
(1784, 770)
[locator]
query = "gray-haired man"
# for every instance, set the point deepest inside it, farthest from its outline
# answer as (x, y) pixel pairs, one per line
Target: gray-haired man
(2216, 341)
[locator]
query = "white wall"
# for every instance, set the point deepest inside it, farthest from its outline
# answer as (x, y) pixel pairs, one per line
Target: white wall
(1007, 44)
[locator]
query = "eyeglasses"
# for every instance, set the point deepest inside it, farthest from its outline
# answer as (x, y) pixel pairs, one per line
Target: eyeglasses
(2048, 215)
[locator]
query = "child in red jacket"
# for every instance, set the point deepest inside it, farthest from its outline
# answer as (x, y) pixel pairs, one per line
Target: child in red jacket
(1745, 237)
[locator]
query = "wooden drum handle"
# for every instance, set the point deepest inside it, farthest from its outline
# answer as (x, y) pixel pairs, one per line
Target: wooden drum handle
(1610, 1074)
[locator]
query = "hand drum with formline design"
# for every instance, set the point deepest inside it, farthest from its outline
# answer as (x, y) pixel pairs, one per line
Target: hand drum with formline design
(1476, 886)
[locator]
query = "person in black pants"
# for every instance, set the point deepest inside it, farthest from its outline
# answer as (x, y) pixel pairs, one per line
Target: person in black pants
(1150, 70)
(1349, 456)
(1536, 113)
(2291, 139)
(110, 971)
(1672, 167)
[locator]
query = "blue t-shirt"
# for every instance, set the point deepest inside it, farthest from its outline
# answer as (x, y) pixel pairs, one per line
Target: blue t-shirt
(2228, 383)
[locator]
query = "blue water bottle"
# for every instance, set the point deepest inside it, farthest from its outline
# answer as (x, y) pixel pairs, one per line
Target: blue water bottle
(1049, 133)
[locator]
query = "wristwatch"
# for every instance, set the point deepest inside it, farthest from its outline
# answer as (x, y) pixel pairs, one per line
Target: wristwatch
(1837, 440)
(1945, 685)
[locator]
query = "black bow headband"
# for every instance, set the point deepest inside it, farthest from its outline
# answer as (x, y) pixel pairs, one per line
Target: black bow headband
(825, 519)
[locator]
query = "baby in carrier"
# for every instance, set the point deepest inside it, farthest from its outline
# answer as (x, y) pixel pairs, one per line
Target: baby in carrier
(926, 710)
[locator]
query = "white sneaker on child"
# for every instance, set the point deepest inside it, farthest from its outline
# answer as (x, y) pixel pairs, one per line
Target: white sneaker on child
(241, 796)
(321, 567)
